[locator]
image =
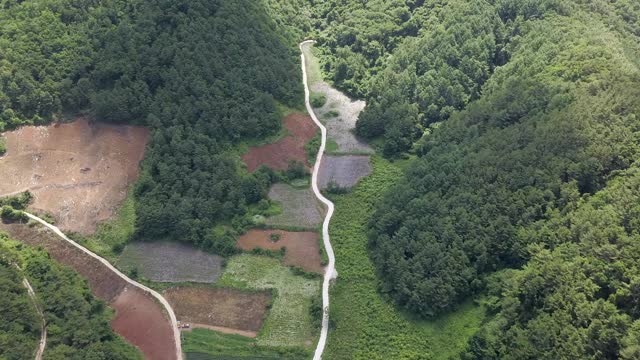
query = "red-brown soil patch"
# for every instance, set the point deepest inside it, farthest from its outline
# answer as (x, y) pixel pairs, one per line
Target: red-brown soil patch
(79, 172)
(302, 249)
(291, 147)
(139, 319)
(222, 307)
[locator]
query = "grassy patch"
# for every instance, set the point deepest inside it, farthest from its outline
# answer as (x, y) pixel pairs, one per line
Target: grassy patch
(367, 326)
(331, 146)
(202, 344)
(331, 114)
(314, 72)
(289, 322)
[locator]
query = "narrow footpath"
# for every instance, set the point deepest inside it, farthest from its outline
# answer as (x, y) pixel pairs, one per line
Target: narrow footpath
(43, 325)
(155, 294)
(330, 270)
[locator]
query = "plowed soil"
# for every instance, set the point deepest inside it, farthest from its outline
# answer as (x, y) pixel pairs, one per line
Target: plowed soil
(302, 249)
(139, 319)
(79, 172)
(291, 147)
(225, 308)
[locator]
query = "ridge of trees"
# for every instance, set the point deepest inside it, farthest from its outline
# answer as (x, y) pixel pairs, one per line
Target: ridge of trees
(205, 75)
(526, 192)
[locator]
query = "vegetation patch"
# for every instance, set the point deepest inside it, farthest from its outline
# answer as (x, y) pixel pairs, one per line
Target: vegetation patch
(365, 324)
(301, 248)
(318, 100)
(220, 307)
(288, 323)
(300, 207)
(202, 344)
(165, 261)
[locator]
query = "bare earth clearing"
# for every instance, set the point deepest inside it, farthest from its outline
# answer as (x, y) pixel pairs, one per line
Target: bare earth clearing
(302, 248)
(345, 171)
(79, 172)
(230, 310)
(291, 147)
(300, 207)
(170, 262)
(139, 319)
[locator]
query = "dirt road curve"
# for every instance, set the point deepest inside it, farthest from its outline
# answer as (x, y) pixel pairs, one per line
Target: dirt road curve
(43, 327)
(330, 271)
(162, 300)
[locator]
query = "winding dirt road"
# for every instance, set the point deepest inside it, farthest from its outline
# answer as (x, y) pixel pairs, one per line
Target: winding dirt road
(330, 270)
(43, 326)
(160, 298)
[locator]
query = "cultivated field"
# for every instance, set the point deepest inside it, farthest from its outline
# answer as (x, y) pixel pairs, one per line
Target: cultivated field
(302, 248)
(277, 155)
(170, 262)
(223, 309)
(139, 319)
(78, 172)
(300, 208)
(289, 322)
(345, 171)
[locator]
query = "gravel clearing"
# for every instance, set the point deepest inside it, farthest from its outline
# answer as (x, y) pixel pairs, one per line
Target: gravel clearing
(345, 171)
(340, 128)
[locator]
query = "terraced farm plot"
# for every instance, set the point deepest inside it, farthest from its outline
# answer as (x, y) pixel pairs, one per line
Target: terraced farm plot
(223, 309)
(300, 208)
(302, 248)
(344, 171)
(170, 262)
(291, 147)
(288, 323)
(140, 320)
(78, 172)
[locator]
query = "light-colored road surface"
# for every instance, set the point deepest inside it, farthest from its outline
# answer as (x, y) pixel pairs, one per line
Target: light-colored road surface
(160, 298)
(43, 327)
(330, 271)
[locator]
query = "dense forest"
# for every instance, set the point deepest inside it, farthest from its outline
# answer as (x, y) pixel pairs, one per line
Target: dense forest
(77, 323)
(203, 75)
(524, 191)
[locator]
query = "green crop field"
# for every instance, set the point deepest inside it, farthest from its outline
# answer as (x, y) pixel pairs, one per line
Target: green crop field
(289, 322)
(202, 344)
(365, 325)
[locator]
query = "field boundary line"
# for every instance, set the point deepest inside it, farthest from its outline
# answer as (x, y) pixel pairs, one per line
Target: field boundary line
(330, 271)
(160, 298)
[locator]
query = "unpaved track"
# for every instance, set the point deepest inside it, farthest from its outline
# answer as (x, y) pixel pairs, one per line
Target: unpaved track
(330, 271)
(43, 326)
(160, 298)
